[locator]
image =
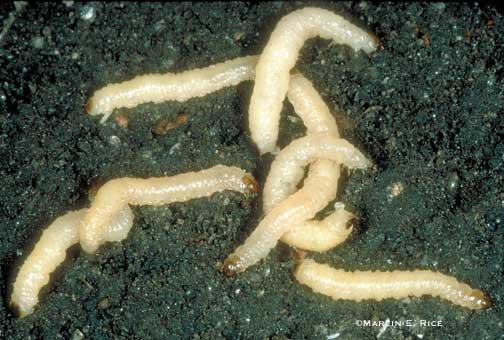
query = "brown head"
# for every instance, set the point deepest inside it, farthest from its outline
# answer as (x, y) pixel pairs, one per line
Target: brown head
(482, 300)
(377, 41)
(250, 183)
(89, 105)
(231, 266)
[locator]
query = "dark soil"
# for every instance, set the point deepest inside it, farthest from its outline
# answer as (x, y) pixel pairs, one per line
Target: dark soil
(427, 109)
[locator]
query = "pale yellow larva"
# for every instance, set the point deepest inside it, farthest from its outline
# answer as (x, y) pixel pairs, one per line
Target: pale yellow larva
(311, 235)
(50, 252)
(303, 96)
(317, 118)
(303, 204)
(116, 194)
(182, 86)
(288, 168)
(300, 206)
(363, 285)
(321, 235)
(309, 105)
(110, 218)
(279, 57)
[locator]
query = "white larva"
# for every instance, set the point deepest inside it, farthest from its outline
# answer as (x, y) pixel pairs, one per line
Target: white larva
(317, 118)
(303, 96)
(50, 252)
(180, 87)
(110, 219)
(363, 285)
(279, 57)
(303, 204)
(310, 106)
(116, 194)
(288, 168)
(312, 235)
(300, 206)
(322, 235)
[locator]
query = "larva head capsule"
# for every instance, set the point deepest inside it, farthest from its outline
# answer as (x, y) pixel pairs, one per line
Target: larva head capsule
(89, 107)
(92, 109)
(376, 41)
(482, 300)
(250, 183)
(231, 266)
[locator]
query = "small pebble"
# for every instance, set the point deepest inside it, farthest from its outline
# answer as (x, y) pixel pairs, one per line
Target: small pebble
(103, 304)
(46, 31)
(19, 5)
(77, 335)
(88, 13)
(395, 189)
(440, 6)
(121, 120)
(114, 141)
(453, 182)
(164, 125)
(38, 42)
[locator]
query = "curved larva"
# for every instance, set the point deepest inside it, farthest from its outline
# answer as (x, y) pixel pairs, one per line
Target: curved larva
(322, 235)
(312, 235)
(362, 285)
(300, 206)
(317, 118)
(116, 194)
(182, 86)
(279, 57)
(310, 106)
(303, 204)
(119, 225)
(48, 253)
(287, 169)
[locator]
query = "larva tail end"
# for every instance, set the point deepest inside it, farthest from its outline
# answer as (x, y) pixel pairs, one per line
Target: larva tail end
(89, 106)
(298, 267)
(352, 222)
(250, 183)
(376, 41)
(483, 301)
(231, 266)
(17, 311)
